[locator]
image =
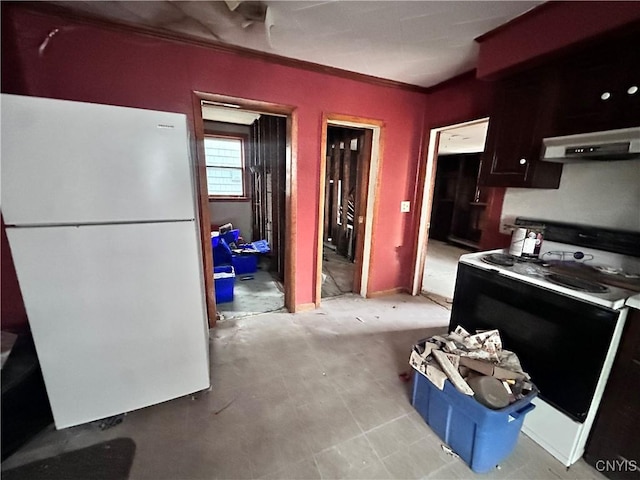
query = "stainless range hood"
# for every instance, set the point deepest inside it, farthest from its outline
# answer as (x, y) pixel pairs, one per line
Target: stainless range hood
(611, 145)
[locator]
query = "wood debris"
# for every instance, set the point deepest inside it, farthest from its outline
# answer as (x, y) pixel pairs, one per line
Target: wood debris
(460, 355)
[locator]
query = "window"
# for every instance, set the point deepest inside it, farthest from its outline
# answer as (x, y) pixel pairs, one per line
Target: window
(225, 166)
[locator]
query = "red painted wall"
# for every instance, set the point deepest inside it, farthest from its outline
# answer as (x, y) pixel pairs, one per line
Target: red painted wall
(462, 99)
(549, 28)
(86, 63)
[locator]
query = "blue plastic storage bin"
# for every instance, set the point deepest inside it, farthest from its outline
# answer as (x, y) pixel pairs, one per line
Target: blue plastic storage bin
(224, 278)
(261, 245)
(247, 263)
(222, 254)
(481, 436)
(231, 236)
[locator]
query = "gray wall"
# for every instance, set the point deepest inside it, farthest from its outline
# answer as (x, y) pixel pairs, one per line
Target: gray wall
(238, 213)
(605, 194)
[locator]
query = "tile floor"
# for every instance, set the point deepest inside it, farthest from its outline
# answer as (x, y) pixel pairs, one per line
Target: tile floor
(337, 274)
(313, 395)
(254, 293)
(439, 279)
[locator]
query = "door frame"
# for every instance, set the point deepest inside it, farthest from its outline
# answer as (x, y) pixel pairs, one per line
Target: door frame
(291, 193)
(364, 242)
(427, 179)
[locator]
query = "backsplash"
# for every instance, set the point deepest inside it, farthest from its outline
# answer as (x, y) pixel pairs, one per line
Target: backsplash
(596, 193)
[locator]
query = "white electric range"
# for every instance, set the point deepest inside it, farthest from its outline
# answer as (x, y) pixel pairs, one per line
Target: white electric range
(566, 338)
(556, 259)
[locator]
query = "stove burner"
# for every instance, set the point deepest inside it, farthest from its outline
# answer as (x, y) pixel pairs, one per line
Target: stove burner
(575, 283)
(499, 259)
(504, 260)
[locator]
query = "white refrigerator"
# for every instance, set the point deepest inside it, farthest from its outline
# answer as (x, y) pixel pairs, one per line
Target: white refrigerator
(100, 207)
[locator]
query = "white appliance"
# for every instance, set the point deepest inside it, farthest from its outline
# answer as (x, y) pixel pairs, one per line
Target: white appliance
(611, 145)
(568, 338)
(101, 218)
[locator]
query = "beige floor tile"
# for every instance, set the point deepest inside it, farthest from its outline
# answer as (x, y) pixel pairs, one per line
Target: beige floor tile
(270, 452)
(371, 406)
(413, 462)
(202, 460)
(293, 393)
(326, 422)
(394, 436)
(304, 388)
(305, 469)
(354, 458)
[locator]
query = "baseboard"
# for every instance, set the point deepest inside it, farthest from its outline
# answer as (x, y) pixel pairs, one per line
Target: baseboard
(304, 307)
(384, 293)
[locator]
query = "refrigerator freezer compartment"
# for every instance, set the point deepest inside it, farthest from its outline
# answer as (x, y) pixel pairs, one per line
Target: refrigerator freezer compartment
(76, 163)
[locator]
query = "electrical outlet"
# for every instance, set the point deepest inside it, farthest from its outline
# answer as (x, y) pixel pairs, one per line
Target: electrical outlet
(405, 207)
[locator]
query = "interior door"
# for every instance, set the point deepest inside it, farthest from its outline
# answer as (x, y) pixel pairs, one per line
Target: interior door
(364, 165)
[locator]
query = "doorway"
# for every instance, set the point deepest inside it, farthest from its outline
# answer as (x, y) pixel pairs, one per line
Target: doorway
(245, 152)
(348, 187)
(453, 207)
(345, 150)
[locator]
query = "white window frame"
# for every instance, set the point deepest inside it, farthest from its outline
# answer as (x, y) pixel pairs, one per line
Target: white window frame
(242, 169)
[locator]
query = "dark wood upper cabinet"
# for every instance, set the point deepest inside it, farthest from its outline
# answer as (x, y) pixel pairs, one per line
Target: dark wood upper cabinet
(601, 87)
(521, 116)
(591, 88)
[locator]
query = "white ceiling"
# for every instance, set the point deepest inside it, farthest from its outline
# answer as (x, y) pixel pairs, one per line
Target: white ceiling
(228, 115)
(465, 139)
(416, 42)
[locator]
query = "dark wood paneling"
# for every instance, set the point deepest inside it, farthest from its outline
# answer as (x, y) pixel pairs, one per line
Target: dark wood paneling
(336, 159)
(345, 238)
(255, 182)
(280, 190)
(327, 197)
(457, 213)
(345, 170)
(269, 183)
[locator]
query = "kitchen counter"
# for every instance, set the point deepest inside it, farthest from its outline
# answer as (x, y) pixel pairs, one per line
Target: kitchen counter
(633, 302)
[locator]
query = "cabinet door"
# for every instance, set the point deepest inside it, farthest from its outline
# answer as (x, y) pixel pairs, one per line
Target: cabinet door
(520, 117)
(630, 87)
(598, 88)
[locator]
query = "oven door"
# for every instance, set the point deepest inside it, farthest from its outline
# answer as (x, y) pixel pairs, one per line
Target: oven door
(562, 342)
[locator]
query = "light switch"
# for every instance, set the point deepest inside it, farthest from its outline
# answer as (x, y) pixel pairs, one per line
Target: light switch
(405, 207)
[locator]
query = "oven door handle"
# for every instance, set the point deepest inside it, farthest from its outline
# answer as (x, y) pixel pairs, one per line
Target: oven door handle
(523, 411)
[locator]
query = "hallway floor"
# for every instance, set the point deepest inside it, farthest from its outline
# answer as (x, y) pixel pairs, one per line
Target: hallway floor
(312, 395)
(337, 273)
(439, 280)
(254, 293)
